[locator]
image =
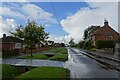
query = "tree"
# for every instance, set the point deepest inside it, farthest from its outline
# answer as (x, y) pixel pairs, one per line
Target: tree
(81, 44)
(88, 45)
(31, 34)
(88, 31)
(72, 43)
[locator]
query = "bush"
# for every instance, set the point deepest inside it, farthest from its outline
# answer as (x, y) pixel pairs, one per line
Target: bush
(9, 53)
(88, 45)
(105, 44)
(81, 44)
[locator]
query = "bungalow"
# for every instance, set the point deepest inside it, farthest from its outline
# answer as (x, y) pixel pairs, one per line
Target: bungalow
(10, 43)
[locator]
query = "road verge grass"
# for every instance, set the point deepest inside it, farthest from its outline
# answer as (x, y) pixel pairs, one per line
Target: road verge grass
(9, 71)
(58, 54)
(46, 72)
(12, 72)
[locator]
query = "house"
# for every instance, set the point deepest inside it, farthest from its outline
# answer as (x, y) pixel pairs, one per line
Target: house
(105, 33)
(117, 46)
(10, 46)
(10, 43)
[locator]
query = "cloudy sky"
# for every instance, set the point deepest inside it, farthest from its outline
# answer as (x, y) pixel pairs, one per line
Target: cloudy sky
(60, 19)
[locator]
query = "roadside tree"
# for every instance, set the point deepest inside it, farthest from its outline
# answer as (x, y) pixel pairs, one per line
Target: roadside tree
(31, 34)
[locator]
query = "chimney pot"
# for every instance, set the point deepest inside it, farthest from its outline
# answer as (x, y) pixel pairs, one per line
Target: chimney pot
(106, 22)
(4, 35)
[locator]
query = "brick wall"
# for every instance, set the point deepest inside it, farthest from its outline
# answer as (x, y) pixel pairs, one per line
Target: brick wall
(105, 33)
(7, 46)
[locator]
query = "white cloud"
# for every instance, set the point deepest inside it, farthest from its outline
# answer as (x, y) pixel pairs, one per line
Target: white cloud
(14, 0)
(34, 12)
(7, 26)
(24, 11)
(59, 0)
(27, 11)
(101, 0)
(9, 12)
(78, 22)
(60, 39)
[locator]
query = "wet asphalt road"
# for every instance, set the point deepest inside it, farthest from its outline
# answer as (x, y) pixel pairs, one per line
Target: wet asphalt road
(82, 66)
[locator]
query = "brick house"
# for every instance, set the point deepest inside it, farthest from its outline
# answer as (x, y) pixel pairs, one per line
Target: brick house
(10, 43)
(10, 46)
(105, 33)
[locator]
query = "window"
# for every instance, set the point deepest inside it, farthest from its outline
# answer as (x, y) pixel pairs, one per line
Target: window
(110, 37)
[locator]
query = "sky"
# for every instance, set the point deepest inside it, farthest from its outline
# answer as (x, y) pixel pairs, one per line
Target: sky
(61, 19)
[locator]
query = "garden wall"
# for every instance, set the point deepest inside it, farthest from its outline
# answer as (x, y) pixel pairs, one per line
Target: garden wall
(9, 53)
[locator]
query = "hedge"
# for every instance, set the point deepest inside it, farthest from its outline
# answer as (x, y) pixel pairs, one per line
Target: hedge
(8, 53)
(105, 44)
(88, 45)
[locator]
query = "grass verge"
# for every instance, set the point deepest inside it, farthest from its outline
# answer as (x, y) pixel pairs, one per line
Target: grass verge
(46, 72)
(12, 72)
(58, 54)
(9, 71)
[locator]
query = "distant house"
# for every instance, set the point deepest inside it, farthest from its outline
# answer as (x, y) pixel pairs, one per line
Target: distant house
(10, 43)
(105, 33)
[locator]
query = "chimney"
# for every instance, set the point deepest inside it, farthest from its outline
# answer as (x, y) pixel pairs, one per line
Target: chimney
(106, 23)
(4, 35)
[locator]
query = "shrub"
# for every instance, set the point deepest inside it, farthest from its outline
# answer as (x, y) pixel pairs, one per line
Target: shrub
(81, 44)
(88, 45)
(8, 53)
(105, 44)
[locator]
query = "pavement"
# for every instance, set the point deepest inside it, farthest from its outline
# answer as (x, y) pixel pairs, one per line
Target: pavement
(27, 62)
(37, 63)
(115, 55)
(82, 66)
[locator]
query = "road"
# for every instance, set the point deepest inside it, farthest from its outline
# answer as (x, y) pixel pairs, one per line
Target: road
(82, 66)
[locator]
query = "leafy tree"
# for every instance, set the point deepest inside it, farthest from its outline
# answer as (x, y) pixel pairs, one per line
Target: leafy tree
(31, 34)
(88, 45)
(81, 44)
(88, 32)
(85, 34)
(72, 43)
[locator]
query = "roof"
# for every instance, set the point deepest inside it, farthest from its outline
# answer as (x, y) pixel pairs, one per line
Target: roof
(10, 39)
(98, 31)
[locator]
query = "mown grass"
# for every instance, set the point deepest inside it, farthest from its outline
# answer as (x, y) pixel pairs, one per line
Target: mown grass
(35, 56)
(9, 71)
(59, 54)
(60, 57)
(61, 50)
(46, 72)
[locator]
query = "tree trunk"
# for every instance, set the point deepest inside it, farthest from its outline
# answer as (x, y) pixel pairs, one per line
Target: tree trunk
(31, 53)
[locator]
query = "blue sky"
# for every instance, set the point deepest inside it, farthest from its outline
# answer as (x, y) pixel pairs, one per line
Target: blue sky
(59, 18)
(60, 10)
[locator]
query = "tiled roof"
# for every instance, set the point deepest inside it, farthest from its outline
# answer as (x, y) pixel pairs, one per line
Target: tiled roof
(98, 31)
(10, 39)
